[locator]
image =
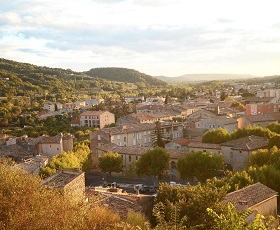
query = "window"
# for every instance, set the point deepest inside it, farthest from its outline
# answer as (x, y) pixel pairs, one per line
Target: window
(129, 158)
(145, 140)
(149, 132)
(57, 148)
(124, 139)
(231, 154)
(136, 157)
(119, 137)
(144, 133)
(134, 142)
(112, 138)
(149, 139)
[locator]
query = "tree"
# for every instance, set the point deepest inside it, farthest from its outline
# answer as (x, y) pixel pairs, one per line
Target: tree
(153, 162)
(223, 96)
(111, 162)
(252, 130)
(184, 207)
(265, 157)
(274, 127)
(274, 141)
(216, 136)
(203, 165)
(158, 137)
(233, 219)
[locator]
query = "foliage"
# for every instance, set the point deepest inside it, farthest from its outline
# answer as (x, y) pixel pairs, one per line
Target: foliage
(153, 162)
(216, 136)
(203, 165)
(233, 219)
(111, 162)
(237, 104)
(79, 157)
(252, 130)
(158, 137)
(26, 204)
(178, 207)
(274, 141)
(266, 157)
(125, 75)
(274, 127)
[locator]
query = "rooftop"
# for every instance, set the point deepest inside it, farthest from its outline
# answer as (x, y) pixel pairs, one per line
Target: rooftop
(204, 145)
(62, 178)
(247, 143)
(252, 194)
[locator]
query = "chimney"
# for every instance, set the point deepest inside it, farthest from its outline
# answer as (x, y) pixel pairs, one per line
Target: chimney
(242, 205)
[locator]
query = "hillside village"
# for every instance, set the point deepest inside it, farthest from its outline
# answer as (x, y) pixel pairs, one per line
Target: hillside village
(178, 126)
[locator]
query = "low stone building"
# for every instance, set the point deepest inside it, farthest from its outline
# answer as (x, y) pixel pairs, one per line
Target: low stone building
(70, 183)
(257, 197)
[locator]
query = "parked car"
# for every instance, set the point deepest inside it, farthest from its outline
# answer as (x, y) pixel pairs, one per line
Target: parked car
(112, 185)
(141, 188)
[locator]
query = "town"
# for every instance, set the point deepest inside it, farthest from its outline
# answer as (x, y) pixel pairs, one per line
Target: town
(192, 149)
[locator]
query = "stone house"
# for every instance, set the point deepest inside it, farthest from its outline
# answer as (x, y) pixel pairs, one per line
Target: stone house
(181, 144)
(237, 152)
(261, 120)
(204, 147)
(257, 197)
(96, 119)
(226, 123)
(71, 183)
(52, 106)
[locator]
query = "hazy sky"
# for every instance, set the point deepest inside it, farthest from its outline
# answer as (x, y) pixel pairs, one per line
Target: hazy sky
(156, 37)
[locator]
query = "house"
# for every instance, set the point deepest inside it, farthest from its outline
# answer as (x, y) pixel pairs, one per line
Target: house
(96, 119)
(138, 135)
(122, 203)
(92, 102)
(254, 109)
(261, 120)
(178, 144)
(201, 114)
(75, 122)
(204, 147)
(261, 100)
(226, 123)
(71, 183)
(257, 197)
(130, 154)
(33, 165)
(52, 106)
(237, 152)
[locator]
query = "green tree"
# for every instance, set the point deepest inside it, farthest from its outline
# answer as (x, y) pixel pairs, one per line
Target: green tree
(153, 163)
(202, 165)
(233, 219)
(274, 141)
(178, 207)
(274, 127)
(158, 137)
(216, 136)
(252, 130)
(111, 162)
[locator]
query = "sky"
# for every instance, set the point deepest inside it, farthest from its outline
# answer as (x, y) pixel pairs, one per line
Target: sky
(157, 37)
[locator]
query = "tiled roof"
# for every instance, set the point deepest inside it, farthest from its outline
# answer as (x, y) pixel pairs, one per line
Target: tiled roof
(14, 150)
(183, 141)
(75, 121)
(247, 143)
(52, 139)
(259, 99)
(129, 128)
(260, 117)
(142, 116)
(220, 120)
(252, 194)
(61, 178)
(204, 145)
(92, 113)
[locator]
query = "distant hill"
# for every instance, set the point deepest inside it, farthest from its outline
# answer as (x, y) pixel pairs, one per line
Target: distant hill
(204, 77)
(125, 75)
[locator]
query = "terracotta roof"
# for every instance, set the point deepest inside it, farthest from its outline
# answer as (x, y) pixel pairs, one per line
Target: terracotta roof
(259, 99)
(204, 145)
(252, 194)
(183, 141)
(52, 139)
(219, 120)
(247, 143)
(75, 121)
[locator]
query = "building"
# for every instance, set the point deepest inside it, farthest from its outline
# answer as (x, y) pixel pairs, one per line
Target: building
(178, 144)
(237, 152)
(254, 109)
(257, 197)
(71, 183)
(52, 106)
(261, 100)
(96, 119)
(226, 123)
(204, 147)
(261, 120)
(33, 165)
